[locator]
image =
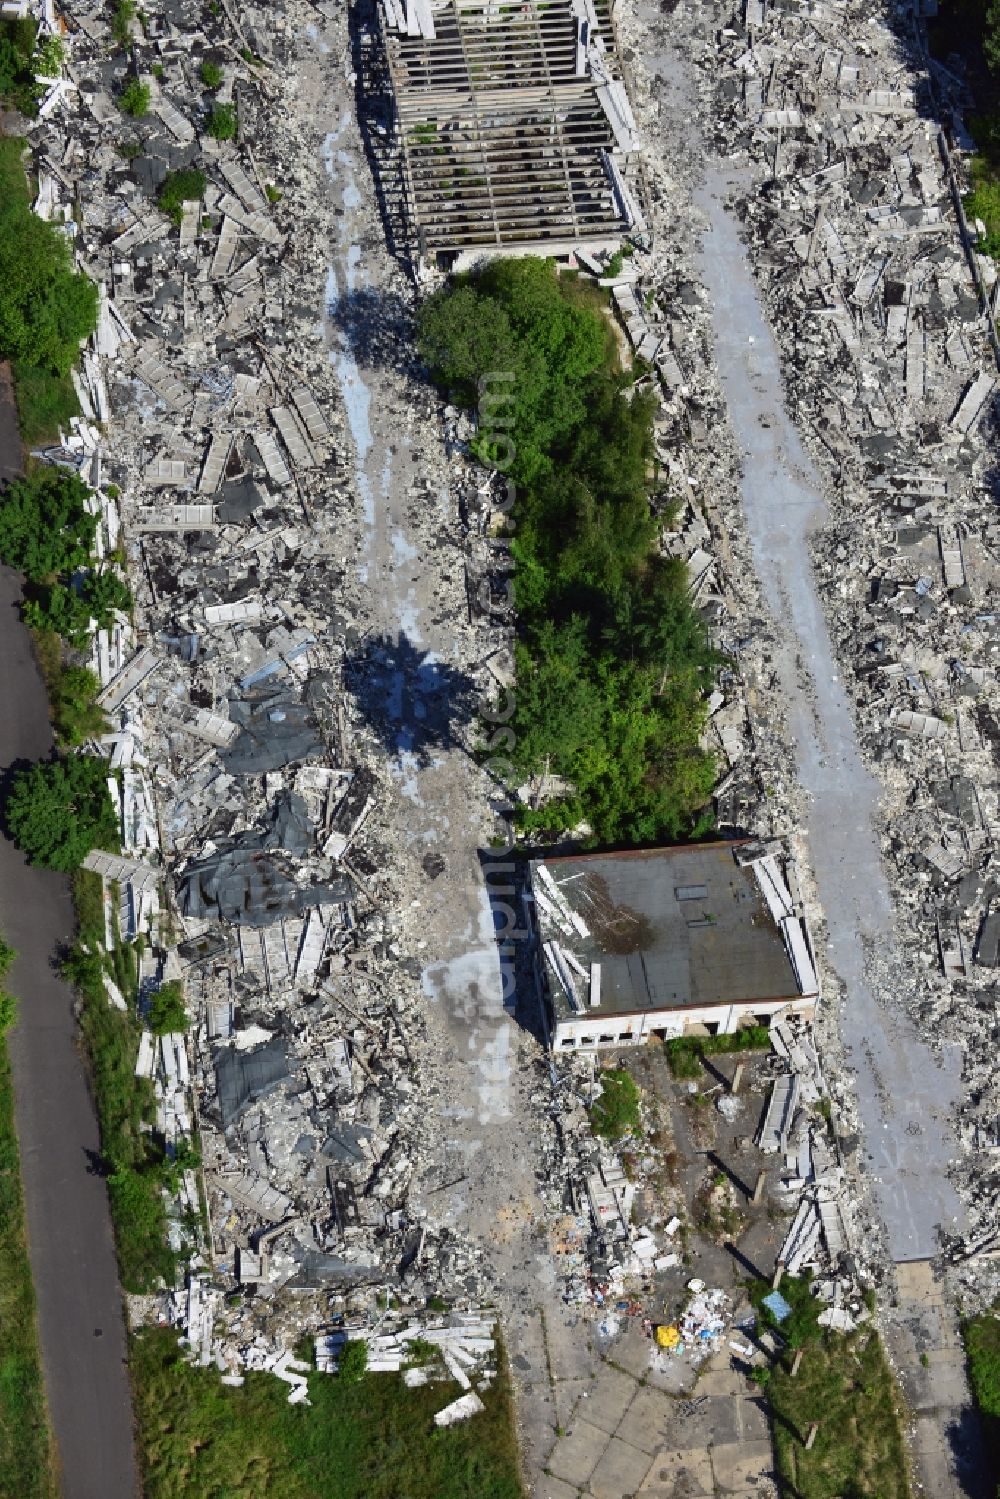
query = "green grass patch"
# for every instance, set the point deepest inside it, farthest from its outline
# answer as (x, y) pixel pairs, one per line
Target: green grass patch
(616, 1112)
(26, 1456)
(368, 1439)
(184, 186)
(845, 1384)
(88, 901)
(684, 1052)
(45, 402)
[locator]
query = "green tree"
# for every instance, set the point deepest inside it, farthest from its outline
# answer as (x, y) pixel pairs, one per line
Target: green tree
(184, 186)
(514, 317)
(991, 35)
(18, 64)
(167, 1011)
(211, 74)
(46, 307)
(58, 810)
(45, 527)
(982, 1347)
(222, 122)
(134, 99)
(613, 662)
(559, 713)
(121, 21)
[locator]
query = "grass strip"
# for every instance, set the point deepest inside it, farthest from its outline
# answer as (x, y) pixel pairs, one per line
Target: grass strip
(125, 1104)
(26, 1455)
(684, 1052)
(372, 1439)
(845, 1384)
(981, 1336)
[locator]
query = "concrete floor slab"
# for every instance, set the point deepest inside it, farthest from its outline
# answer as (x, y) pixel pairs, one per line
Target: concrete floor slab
(554, 1488)
(720, 1382)
(753, 1422)
(647, 1422)
(620, 1471)
(631, 1352)
(681, 1470)
(678, 1378)
(610, 1398)
(738, 1465)
(576, 1455)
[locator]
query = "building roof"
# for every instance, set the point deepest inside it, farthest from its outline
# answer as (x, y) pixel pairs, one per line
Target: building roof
(513, 122)
(669, 928)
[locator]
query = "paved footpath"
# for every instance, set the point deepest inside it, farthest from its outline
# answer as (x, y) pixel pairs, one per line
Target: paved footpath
(80, 1320)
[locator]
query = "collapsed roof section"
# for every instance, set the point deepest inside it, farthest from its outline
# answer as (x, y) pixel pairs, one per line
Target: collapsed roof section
(514, 124)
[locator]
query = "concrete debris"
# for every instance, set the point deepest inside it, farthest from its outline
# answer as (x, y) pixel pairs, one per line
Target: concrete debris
(220, 427)
(250, 787)
(883, 309)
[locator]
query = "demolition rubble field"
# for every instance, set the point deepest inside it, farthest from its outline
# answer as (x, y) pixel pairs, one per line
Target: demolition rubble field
(385, 1153)
(864, 265)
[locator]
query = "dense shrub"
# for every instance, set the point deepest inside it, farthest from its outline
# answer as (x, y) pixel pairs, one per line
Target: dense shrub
(616, 1112)
(46, 307)
(613, 663)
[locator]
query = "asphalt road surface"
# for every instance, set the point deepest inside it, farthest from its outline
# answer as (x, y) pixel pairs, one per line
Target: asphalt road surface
(80, 1319)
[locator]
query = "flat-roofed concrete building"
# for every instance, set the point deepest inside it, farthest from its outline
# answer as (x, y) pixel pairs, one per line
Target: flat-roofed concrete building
(663, 942)
(514, 126)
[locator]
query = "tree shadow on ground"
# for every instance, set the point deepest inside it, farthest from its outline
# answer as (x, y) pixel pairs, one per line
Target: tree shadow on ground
(377, 327)
(415, 703)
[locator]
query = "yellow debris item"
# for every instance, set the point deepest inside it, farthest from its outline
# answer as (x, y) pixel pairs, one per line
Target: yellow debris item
(667, 1337)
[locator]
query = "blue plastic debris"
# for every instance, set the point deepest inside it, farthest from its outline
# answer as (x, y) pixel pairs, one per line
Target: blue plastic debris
(777, 1304)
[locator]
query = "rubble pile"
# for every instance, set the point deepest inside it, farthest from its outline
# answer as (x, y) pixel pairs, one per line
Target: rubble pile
(876, 294)
(255, 858)
(253, 864)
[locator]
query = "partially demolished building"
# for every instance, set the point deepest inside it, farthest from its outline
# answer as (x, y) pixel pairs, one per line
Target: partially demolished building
(514, 126)
(662, 942)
